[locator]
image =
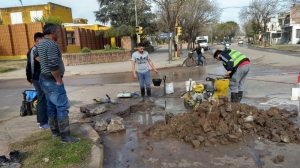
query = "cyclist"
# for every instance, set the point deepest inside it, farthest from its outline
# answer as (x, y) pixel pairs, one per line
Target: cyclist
(199, 53)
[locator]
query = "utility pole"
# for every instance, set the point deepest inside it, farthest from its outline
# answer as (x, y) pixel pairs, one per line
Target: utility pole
(176, 38)
(136, 23)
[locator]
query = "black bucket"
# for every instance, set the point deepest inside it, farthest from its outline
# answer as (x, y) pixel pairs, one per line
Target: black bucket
(156, 81)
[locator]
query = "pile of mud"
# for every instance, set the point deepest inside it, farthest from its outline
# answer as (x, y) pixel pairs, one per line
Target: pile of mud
(223, 122)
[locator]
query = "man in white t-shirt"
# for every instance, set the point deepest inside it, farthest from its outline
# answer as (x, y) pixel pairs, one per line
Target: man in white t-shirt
(140, 60)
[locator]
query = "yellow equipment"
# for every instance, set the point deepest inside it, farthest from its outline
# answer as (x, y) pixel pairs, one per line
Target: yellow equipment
(199, 92)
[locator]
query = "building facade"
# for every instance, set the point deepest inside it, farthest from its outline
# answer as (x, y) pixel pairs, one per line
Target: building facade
(27, 14)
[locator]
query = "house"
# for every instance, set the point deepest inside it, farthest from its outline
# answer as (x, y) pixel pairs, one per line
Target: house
(27, 14)
(273, 32)
(290, 26)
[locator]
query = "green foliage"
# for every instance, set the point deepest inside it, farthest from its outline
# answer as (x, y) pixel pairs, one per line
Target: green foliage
(147, 43)
(41, 145)
(120, 31)
(49, 19)
(159, 41)
(85, 50)
(120, 12)
(1, 21)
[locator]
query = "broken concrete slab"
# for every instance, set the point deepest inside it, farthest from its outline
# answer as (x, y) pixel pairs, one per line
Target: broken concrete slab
(116, 124)
(101, 125)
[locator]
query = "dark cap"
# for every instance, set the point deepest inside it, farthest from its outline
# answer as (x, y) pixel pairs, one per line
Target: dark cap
(217, 53)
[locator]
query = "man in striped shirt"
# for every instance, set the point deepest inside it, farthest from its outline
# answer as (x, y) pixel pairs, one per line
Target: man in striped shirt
(33, 71)
(52, 71)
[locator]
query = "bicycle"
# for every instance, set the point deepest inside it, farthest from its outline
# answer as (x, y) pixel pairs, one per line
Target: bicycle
(190, 60)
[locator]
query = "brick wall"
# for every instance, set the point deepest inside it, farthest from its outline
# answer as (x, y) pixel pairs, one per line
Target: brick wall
(6, 47)
(93, 37)
(89, 38)
(83, 38)
(95, 58)
(127, 43)
(33, 28)
(77, 36)
(20, 41)
(61, 41)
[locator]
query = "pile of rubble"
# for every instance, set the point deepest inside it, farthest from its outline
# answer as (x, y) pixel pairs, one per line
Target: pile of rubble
(223, 122)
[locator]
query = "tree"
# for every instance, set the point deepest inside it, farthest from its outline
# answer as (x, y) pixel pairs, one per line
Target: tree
(197, 17)
(49, 19)
(193, 16)
(261, 11)
(120, 13)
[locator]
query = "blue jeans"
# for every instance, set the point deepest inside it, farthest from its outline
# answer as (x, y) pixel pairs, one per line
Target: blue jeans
(144, 79)
(57, 100)
(41, 107)
(199, 59)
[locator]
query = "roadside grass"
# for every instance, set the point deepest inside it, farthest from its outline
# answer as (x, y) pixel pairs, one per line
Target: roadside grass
(41, 146)
(285, 47)
(280, 47)
(12, 65)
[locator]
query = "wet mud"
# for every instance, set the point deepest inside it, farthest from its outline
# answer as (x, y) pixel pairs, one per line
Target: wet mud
(223, 122)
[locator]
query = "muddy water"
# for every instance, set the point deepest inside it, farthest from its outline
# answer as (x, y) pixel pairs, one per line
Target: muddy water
(129, 149)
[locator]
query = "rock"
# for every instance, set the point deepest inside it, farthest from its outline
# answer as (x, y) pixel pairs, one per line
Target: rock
(205, 125)
(96, 111)
(196, 144)
(273, 111)
(224, 141)
(279, 159)
(211, 135)
(200, 138)
(222, 128)
(116, 124)
(82, 109)
(275, 138)
(228, 107)
(188, 139)
(206, 143)
(248, 119)
(46, 160)
(298, 137)
(285, 138)
(149, 148)
(248, 125)
(213, 117)
(213, 141)
(232, 138)
(286, 114)
(101, 125)
(260, 122)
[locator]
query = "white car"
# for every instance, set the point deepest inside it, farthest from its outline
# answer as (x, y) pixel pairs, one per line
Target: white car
(241, 41)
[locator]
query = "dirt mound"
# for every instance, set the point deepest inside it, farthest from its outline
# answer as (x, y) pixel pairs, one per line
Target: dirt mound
(223, 122)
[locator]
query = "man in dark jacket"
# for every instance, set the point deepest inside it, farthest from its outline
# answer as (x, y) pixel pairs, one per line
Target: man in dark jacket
(237, 66)
(33, 70)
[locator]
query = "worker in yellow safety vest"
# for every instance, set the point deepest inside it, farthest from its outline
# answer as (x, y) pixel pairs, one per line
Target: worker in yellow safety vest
(238, 67)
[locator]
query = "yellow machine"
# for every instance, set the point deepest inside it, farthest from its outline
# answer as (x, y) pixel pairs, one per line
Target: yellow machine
(199, 92)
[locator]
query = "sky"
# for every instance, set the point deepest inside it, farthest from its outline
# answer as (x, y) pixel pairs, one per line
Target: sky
(85, 8)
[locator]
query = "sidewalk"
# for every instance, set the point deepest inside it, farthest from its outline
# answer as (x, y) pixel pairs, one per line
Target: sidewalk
(159, 58)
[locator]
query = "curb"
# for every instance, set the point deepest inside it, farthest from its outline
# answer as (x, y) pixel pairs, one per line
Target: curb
(97, 152)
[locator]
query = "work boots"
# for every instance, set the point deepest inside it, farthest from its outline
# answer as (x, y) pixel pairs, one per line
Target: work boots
(149, 95)
(240, 96)
(15, 156)
(142, 95)
(65, 133)
(6, 163)
(234, 97)
(54, 127)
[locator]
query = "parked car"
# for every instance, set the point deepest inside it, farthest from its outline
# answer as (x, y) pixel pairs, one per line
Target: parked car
(241, 41)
